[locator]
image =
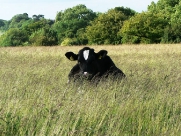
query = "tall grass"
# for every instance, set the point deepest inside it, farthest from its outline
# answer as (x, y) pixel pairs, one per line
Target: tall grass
(35, 98)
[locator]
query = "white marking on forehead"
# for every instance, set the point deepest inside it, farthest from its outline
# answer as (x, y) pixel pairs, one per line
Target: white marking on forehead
(86, 54)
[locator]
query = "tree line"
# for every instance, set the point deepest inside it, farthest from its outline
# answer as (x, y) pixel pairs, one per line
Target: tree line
(161, 23)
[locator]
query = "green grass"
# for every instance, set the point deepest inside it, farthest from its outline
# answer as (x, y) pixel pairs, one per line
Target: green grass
(35, 98)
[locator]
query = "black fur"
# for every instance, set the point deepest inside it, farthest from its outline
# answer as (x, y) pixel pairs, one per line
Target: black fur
(97, 65)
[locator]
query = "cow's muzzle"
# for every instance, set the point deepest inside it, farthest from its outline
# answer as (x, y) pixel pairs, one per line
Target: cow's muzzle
(87, 75)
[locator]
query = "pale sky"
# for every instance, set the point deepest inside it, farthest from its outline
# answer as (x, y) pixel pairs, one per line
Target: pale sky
(49, 8)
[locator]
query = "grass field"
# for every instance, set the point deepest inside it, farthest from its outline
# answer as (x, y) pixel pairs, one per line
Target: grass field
(35, 98)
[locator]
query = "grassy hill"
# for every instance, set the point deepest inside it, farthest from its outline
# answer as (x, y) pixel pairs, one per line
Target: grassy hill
(35, 98)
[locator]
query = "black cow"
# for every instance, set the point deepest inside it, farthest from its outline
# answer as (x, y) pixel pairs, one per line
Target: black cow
(93, 65)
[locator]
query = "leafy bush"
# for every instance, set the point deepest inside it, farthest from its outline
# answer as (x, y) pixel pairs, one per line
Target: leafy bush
(146, 27)
(13, 37)
(104, 29)
(35, 25)
(45, 37)
(69, 41)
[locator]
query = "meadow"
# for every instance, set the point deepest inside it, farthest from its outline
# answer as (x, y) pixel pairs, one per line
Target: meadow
(35, 99)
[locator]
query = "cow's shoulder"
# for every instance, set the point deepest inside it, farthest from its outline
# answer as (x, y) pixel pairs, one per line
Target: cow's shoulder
(74, 70)
(107, 61)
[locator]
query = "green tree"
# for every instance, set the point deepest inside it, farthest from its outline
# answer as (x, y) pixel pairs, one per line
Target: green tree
(44, 37)
(143, 28)
(2, 23)
(34, 26)
(18, 20)
(165, 7)
(14, 37)
(104, 29)
(37, 17)
(175, 25)
(71, 22)
(170, 10)
(5, 27)
(81, 36)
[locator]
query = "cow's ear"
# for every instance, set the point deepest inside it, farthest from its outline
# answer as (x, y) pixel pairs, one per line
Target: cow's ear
(71, 56)
(101, 54)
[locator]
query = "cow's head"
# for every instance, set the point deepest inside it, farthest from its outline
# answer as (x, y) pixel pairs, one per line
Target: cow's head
(88, 60)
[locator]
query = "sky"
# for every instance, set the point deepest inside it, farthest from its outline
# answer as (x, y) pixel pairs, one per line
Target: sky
(49, 8)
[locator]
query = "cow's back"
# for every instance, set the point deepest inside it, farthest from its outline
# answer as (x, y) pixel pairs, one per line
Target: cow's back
(108, 67)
